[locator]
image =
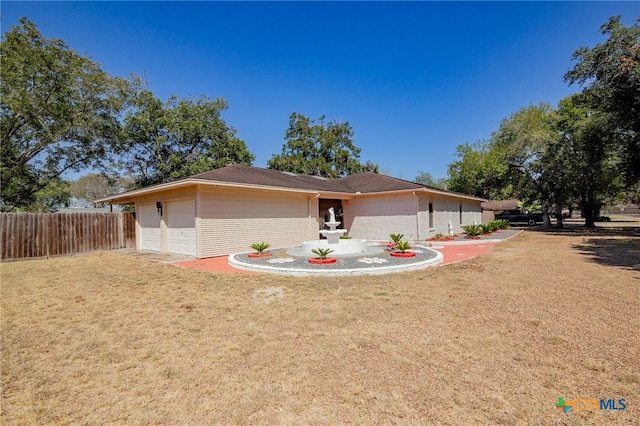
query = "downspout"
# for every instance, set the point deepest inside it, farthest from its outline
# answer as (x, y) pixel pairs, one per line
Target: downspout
(417, 215)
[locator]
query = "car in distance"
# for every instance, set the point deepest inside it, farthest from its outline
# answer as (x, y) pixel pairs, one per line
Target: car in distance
(516, 216)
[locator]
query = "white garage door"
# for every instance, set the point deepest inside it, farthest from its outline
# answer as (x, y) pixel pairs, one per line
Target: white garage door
(181, 224)
(149, 220)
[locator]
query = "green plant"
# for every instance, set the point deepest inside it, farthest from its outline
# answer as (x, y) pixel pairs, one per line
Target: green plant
(438, 236)
(402, 246)
(260, 247)
(532, 207)
(472, 230)
(345, 237)
(501, 223)
(488, 228)
(322, 252)
(396, 238)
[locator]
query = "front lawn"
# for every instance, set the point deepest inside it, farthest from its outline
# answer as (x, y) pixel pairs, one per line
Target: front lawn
(108, 338)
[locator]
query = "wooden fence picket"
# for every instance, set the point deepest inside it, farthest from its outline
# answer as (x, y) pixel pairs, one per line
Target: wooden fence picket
(28, 235)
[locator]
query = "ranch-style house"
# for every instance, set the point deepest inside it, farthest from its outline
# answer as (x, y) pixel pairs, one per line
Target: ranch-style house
(226, 210)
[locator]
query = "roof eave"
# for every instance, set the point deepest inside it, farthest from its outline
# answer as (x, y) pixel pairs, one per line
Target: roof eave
(128, 197)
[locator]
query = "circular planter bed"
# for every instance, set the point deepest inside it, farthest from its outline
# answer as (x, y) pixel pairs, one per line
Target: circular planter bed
(401, 254)
(323, 261)
(254, 255)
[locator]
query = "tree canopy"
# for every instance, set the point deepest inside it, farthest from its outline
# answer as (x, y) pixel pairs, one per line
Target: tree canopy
(610, 76)
(92, 186)
(319, 149)
(425, 178)
(58, 112)
(166, 141)
(585, 152)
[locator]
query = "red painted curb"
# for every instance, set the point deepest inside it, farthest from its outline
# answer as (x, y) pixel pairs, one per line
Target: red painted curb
(254, 255)
(323, 261)
(405, 254)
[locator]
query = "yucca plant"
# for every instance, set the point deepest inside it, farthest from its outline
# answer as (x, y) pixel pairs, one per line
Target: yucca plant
(322, 252)
(260, 247)
(501, 223)
(402, 246)
(488, 228)
(396, 238)
(472, 230)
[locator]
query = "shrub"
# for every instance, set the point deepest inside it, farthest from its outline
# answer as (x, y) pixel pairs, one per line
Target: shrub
(322, 252)
(345, 237)
(501, 223)
(488, 228)
(396, 238)
(260, 247)
(472, 230)
(402, 246)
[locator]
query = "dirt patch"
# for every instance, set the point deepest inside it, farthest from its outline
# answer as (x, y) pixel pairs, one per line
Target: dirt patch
(497, 339)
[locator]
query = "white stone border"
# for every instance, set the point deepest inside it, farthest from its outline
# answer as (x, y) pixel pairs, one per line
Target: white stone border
(377, 270)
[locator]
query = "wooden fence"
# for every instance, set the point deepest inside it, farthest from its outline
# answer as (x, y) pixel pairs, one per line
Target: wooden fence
(25, 235)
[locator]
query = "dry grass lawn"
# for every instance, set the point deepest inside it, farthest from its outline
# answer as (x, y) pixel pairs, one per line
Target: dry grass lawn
(109, 338)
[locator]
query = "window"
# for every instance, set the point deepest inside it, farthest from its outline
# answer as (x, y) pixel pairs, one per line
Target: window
(460, 214)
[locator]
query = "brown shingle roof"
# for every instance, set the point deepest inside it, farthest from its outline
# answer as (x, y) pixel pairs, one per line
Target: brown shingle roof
(374, 182)
(248, 175)
(361, 182)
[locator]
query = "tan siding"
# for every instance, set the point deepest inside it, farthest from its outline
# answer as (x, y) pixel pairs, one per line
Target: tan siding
(175, 194)
(471, 213)
(233, 219)
(448, 209)
(375, 218)
(423, 216)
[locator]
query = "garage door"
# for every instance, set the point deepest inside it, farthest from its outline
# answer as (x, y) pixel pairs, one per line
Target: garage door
(150, 236)
(181, 227)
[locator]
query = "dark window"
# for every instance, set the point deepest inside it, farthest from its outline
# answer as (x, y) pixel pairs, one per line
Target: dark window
(430, 215)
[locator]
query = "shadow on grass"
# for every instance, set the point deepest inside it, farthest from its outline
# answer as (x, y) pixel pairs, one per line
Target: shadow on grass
(611, 245)
(621, 252)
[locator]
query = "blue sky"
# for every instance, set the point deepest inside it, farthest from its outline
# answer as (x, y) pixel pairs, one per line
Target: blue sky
(413, 79)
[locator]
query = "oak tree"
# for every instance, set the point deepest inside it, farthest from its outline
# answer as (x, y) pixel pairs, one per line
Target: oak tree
(165, 141)
(319, 149)
(59, 112)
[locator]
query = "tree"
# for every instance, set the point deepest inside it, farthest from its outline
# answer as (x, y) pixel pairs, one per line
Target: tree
(58, 112)
(56, 194)
(481, 171)
(586, 152)
(610, 76)
(425, 178)
(319, 149)
(521, 140)
(96, 185)
(163, 142)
